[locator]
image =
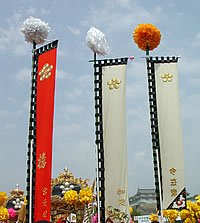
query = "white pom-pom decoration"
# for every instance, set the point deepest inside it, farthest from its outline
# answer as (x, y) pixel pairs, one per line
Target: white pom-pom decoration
(71, 187)
(96, 41)
(35, 30)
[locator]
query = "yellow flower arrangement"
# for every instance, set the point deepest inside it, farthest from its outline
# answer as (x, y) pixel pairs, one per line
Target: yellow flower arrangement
(172, 215)
(198, 200)
(3, 198)
(71, 197)
(192, 207)
(85, 196)
(185, 214)
(198, 214)
(146, 35)
(25, 200)
(131, 210)
(190, 220)
(192, 211)
(4, 215)
(165, 213)
(197, 197)
(153, 217)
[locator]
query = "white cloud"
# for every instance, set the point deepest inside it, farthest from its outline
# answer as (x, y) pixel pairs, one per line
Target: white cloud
(120, 15)
(196, 41)
(67, 129)
(21, 49)
(10, 37)
(190, 107)
(4, 112)
(74, 30)
(189, 65)
(31, 11)
(23, 75)
(45, 11)
(61, 74)
(10, 125)
(72, 109)
(62, 52)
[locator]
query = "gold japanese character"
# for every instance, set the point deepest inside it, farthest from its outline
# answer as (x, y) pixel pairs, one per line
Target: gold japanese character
(44, 191)
(42, 161)
(44, 214)
(44, 202)
(119, 191)
(173, 182)
(172, 170)
(122, 202)
(173, 192)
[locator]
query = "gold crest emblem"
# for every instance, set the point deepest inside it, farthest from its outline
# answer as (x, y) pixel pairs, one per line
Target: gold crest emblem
(114, 83)
(45, 72)
(167, 77)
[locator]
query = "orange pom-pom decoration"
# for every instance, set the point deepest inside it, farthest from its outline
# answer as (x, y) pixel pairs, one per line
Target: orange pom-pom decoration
(147, 35)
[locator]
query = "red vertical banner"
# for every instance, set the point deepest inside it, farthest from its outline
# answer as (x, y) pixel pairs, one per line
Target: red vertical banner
(44, 133)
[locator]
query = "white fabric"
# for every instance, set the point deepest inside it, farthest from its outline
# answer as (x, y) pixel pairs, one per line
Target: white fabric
(170, 132)
(115, 148)
(96, 41)
(35, 30)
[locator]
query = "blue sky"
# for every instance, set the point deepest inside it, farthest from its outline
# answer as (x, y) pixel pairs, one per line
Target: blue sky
(74, 108)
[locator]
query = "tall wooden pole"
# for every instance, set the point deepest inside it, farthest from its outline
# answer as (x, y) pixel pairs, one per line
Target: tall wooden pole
(32, 129)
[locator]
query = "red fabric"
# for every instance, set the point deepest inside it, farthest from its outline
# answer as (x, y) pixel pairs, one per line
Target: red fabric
(44, 123)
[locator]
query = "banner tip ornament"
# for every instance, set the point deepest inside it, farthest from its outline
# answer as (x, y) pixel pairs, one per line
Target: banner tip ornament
(147, 37)
(96, 41)
(35, 30)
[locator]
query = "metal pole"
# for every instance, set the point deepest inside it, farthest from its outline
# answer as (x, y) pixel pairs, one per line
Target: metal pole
(147, 50)
(97, 147)
(159, 183)
(30, 139)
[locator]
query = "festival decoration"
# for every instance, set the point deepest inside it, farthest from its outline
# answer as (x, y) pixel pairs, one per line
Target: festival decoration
(171, 215)
(71, 197)
(46, 68)
(75, 201)
(131, 210)
(94, 219)
(96, 41)
(116, 215)
(166, 132)
(146, 36)
(85, 196)
(40, 121)
(35, 30)
(3, 198)
(16, 199)
(198, 200)
(165, 121)
(11, 212)
(153, 217)
(4, 215)
(110, 101)
(190, 214)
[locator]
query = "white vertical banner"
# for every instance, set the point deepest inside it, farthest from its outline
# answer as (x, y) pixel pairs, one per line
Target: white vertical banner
(170, 135)
(114, 135)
